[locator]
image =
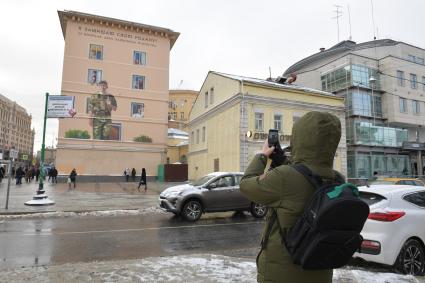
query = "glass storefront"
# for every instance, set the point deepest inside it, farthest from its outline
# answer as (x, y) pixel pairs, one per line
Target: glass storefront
(365, 133)
(362, 165)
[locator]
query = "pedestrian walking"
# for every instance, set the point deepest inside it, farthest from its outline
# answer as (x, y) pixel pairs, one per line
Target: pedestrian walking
(285, 192)
(18, 175)
(127, 174)
(49, 174)
(133, 174)
(32, 173)
(54, 173)
(143, 180)
(2, 174)
(27, 175)
(72, 178)
(37, 174)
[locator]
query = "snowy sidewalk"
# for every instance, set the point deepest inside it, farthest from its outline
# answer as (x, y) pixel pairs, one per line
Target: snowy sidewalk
(187, 268)
(86, 197)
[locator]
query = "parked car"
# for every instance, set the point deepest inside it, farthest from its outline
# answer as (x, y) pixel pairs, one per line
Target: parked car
(410, 181)
(218, 191)
(394, 233)
(397, 181)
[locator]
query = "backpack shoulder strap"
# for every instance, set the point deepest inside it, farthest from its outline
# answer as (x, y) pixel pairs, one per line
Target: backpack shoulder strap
(339, 177)
(314, 179)
(273, 218)
(266, 237)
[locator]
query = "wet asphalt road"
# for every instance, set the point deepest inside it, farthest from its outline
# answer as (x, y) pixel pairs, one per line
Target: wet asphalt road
(85, 239)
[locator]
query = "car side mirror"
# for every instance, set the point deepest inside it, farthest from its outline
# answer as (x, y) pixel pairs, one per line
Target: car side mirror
(212, 186)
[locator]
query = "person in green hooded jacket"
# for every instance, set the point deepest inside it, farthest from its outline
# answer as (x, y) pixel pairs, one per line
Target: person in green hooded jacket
(314, 141)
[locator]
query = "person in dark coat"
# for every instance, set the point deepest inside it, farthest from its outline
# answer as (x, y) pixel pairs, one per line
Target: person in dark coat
(49, 174)
(33, 172)
(2, 174)
(54, 173)
(19, 174)
(127, 174)
(27, 175)
(73, 177)
(314, 141)
(143, 180)
(133, 174)
(37, 174)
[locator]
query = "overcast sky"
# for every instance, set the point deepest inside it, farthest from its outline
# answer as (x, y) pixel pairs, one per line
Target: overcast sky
(242, 37)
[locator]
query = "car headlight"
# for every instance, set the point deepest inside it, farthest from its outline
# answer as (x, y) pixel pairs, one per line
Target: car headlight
(173, 194)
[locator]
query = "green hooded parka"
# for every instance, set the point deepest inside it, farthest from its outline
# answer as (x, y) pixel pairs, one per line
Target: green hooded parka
(315, 138)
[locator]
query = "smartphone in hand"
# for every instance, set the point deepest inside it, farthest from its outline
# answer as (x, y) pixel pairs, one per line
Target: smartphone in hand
(273, 137)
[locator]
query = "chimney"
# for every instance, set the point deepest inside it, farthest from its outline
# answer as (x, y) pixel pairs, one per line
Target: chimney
(322, 49)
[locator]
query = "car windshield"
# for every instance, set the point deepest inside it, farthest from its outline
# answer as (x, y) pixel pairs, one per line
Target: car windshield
(202, 180)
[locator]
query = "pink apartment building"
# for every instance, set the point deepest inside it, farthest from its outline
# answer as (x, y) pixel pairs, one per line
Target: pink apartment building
(123, 125)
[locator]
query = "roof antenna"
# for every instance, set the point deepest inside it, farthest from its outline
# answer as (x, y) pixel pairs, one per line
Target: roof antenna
(338, 15)
(180, 84)
(349, 19)
(373, 20)
(270, 72)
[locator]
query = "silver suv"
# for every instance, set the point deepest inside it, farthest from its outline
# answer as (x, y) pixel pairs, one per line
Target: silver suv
(218, 191)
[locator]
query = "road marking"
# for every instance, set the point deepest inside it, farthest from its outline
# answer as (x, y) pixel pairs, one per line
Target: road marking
(140, 229)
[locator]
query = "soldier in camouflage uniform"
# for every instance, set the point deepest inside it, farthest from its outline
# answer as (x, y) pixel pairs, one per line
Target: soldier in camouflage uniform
(101, 106)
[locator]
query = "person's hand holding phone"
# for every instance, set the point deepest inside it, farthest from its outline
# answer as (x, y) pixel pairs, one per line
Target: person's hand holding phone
(267, 151)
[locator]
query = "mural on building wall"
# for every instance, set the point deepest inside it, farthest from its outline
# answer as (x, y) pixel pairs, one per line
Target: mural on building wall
(100, 107)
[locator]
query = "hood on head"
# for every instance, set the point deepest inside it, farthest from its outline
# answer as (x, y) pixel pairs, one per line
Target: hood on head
(315, 138)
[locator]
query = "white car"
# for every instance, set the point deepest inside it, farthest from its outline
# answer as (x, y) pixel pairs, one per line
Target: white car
(394, 233)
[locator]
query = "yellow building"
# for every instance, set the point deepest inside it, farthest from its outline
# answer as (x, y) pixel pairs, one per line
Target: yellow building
(228, 107)
(181, 102)
(134, 60)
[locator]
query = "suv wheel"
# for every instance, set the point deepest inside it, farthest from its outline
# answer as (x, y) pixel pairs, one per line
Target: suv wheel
(411, 259)
(258, 210)
(192, 210)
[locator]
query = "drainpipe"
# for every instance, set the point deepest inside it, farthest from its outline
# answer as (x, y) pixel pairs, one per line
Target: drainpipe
(244, 161)
(419, 161)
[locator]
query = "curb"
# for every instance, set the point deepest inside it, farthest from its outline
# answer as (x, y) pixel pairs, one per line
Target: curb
(63, 211)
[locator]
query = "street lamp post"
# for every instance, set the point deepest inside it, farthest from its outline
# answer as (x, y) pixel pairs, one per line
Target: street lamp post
(41, 198)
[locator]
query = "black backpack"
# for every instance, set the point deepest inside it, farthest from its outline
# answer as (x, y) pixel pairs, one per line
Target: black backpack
(328, 233)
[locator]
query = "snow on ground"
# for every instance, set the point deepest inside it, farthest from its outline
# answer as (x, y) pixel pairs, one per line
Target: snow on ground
(187, 269)
(64, 214)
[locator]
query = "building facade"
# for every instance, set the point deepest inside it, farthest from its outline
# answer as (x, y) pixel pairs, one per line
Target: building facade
(232, 115)
(181, 102)
(177, 146)
(383, 82)
(15, 131)
(180, 105)
(124, 125)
